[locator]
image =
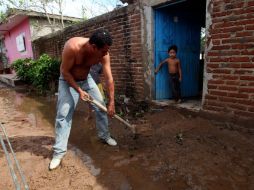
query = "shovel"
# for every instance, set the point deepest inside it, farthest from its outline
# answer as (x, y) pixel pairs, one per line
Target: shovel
(103, 108)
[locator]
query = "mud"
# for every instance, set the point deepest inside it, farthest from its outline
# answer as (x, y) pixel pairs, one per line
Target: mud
(175, 150)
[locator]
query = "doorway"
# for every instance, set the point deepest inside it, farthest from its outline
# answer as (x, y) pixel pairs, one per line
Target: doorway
(180, 23)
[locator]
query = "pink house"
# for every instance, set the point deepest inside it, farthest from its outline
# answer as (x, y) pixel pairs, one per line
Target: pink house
(18, 41)
(20, 28)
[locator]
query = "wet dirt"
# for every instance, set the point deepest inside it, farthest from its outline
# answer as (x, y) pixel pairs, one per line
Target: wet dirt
(175, 150)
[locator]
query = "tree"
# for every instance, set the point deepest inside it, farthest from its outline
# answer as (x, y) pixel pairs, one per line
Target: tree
(45, 6)
(87, 8)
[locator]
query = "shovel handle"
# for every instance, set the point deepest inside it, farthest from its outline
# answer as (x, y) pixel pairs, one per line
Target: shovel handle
(103, 108)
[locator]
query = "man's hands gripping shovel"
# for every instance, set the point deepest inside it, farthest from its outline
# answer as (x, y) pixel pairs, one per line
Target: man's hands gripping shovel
(111, 109)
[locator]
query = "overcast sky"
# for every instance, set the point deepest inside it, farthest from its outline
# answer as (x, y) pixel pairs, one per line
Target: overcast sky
(92, 7)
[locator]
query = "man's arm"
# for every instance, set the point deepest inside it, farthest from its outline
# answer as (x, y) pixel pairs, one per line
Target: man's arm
(159, 66)
(180, 70)
(109, 83)
(68, 61)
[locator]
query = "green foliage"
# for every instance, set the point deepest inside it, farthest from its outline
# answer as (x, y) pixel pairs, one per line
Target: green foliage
(23, 69)
(40, 73)
(2, 17)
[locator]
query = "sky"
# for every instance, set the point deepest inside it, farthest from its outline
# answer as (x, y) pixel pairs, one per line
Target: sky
(92, 7)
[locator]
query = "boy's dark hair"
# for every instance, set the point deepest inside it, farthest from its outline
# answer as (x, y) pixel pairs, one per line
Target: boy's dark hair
(173, 47)
(101, 38)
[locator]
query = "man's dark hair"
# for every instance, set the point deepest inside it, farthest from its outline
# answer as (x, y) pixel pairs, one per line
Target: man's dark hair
(173, 47)
(101, 38)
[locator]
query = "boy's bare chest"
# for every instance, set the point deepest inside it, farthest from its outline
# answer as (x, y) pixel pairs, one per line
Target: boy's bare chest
(172, 63)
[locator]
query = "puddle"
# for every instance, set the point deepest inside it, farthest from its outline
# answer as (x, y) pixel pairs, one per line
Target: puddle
(112, 166)
(87, 160)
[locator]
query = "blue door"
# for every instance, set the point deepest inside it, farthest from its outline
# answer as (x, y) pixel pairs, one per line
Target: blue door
(177, 25)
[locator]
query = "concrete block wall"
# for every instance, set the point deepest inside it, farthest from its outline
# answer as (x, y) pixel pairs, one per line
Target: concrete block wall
(229, 70)
(126, 61)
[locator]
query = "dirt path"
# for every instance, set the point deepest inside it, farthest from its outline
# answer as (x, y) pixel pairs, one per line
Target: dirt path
(178, 151)
(31, 135)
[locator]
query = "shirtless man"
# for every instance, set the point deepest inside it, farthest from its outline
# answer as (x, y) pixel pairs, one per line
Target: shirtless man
(75, 82)
(175, 72)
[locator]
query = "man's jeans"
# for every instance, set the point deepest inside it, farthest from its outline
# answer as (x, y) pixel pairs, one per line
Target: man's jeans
(67, 101)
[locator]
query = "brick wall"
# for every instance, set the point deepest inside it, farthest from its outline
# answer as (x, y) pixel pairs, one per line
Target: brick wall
(126, 62)
(230, 58)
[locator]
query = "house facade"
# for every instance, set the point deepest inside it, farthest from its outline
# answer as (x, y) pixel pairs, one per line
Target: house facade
(21, 27)
(220, 74)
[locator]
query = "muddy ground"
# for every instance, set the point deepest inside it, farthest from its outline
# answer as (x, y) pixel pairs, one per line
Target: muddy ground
(174, 150)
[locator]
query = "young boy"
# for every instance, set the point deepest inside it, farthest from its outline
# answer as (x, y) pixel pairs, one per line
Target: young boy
(175, 72)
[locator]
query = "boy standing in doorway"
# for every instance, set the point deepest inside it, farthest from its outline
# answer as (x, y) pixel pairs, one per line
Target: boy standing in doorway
(175, 72)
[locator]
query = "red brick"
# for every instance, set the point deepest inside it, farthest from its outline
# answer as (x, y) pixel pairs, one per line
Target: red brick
(224, 71)
(230, 52)
(233, 83)
(243, 71)
(211, 86)
(218, 93)
(247, 65)
(249, 90)
(211, 53)
(236, 5)
(239, 59)
(251, 3)
(232, 65)
(222, 14)
(246, 102)
(244, 83)
(242, 11)
(210, 97)
(237, 95)
(219, 59)
(231, 41)
(212, 65)
(224, 25)
(227, 99)
(247, 78)
(237, 106)
(229, 77)
(244, 34)
(215, 82)
(249, 27)
(233, 29)
(220, 36)
(247, 52)
(221, 47)
(242, 46)
(227, 88)
(216, 42)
